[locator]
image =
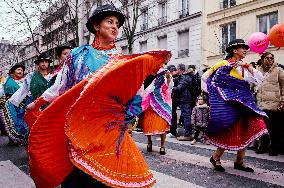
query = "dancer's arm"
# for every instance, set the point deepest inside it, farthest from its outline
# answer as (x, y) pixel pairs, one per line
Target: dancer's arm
(22, 92)
(53, 92)
(208, 73)
(252, 75)
(58, 87)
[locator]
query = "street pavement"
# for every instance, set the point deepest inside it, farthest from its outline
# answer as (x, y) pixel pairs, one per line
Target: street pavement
(184, 166)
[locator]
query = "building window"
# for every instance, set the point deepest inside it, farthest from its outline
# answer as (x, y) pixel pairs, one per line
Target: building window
(162, 42)
(183, 44)
(163, 13)
(184, 9)
(124, 2)
(144, 14)
(227, 3)
(266, 21)
(143, 46)
(99, 3)
(228, 32)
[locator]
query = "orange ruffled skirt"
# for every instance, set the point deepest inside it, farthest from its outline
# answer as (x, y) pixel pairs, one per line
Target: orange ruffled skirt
(154, 124)
(31, 117)
(90, 120)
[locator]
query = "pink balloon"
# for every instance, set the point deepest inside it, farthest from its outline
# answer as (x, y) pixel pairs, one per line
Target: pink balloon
(258, 42)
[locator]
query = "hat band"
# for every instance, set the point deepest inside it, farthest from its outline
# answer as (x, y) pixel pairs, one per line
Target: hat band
(237, 44)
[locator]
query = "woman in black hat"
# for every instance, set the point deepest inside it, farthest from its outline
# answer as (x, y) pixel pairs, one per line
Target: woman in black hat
(83, 61)
(79, 66)
(17, 71)
(34, 84)
(62, 53)
(235, 120)
(9, 87)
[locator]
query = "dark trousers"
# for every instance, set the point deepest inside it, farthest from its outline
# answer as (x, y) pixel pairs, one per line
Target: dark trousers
(197, 131)
(78, 179)
(276, 132)
(173, 128)
(186, 114)
(2, 129)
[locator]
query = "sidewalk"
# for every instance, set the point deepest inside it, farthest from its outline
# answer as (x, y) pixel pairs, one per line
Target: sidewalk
(12, 177)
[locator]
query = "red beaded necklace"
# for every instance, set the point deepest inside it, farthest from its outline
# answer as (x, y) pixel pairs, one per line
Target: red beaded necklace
(96, 43)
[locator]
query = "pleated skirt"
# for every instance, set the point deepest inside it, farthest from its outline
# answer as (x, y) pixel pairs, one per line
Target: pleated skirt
(153, 124)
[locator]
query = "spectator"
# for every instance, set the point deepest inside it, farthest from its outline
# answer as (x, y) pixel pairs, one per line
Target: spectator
(184, 100)
(270, 98)
(173, 128)
(196, 83)
(200, 117)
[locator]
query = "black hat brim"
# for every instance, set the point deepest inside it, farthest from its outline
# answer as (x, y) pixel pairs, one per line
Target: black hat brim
(40, 60)
(235, 46)
(100, 16)
(13, 68)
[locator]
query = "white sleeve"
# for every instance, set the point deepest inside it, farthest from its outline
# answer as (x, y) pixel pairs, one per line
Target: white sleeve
(255, 78)
(1, 90)
(203, 83)
(58, 87)
(22, 92)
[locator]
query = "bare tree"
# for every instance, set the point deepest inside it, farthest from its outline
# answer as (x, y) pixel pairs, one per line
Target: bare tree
(135, 10)
(24, 17)
(57, 22)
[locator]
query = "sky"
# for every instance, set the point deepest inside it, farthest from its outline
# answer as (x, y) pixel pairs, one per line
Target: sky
(12, 26)
(4, 20)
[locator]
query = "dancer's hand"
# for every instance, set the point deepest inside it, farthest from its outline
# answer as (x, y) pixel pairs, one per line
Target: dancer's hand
(247, 66)
(31, 106)
(241, 64)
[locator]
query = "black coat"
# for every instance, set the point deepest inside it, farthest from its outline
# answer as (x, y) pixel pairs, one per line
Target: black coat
(182, 90)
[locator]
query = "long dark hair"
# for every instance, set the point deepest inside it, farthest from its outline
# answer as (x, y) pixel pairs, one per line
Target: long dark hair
(229, 55)
(204, 97)
(266, 54)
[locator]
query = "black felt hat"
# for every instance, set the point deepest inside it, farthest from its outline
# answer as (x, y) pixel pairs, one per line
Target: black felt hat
(41, 57)
(14, 67)
(235, 44)
(101, 12)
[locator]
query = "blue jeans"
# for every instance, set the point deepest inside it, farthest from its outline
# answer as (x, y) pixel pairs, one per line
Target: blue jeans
(186, 114)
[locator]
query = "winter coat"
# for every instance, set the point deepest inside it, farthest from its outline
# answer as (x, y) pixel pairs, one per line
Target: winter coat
(182, 90)
(271, 91)
(196, 85)
(200, 116)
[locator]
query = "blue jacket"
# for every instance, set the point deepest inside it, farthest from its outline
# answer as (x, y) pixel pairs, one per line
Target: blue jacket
(182, 90)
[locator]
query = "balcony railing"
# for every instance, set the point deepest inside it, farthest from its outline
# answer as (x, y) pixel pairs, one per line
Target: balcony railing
(183, 53)
(144, 26)
(162, 20)
(183, 13)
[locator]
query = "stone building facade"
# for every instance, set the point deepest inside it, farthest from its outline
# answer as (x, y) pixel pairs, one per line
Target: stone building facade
(225, 20)
(172, 25)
